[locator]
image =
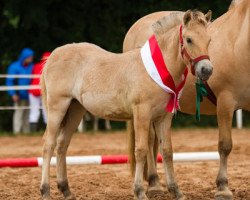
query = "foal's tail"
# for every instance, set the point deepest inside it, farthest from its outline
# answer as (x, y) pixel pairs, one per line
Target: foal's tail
(44, 91)
(131, 140)
(44, 96)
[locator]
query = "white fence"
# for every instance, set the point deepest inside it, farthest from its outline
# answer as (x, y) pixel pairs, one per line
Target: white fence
(23, 87)
(239, 118)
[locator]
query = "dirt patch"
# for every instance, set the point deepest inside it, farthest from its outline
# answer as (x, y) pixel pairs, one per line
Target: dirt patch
(113, 182)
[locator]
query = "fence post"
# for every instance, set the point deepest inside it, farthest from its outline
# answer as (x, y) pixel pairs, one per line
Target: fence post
(80, 127)
(239, 119)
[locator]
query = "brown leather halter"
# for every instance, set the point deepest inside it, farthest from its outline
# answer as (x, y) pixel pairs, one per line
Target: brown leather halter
(185, 53)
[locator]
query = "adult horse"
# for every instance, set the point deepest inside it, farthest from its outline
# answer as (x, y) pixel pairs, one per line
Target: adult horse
(83, 77)
(229, 51)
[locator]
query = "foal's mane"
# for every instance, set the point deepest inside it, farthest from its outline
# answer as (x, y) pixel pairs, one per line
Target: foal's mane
(166, 23)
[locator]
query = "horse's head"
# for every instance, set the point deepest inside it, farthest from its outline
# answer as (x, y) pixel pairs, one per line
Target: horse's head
(194, 41)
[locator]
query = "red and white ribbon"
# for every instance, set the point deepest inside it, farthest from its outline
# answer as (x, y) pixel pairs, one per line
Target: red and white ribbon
(154, 63)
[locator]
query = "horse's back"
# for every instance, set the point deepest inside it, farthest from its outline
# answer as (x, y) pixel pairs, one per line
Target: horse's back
(73, 51)
(141, 30)
(68, 59)
(66, 63)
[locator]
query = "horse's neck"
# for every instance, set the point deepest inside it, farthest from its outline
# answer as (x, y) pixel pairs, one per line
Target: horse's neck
(245, 23)
(234, 23)
(240, 26)
(170, 47)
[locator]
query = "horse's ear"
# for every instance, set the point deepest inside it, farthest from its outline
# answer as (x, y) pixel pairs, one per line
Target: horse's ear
(187, 17)
(208, 16)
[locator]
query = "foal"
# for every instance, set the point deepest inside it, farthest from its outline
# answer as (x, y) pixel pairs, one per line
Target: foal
(83, 77)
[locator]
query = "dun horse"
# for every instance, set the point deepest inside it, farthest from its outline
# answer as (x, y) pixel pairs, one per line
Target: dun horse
(83, 77)
(229, 53)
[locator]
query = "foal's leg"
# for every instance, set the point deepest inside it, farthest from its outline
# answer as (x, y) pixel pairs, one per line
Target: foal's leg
(164, 135)
(153, 178)
(141, 126)
(225, 111)
(56, 112)
(70, 123)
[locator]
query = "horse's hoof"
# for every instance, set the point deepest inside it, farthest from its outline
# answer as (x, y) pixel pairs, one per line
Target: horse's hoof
(182, 198)
(142, 197)
(70, 197)
(46, 198)
(224, 195)
(157, 189)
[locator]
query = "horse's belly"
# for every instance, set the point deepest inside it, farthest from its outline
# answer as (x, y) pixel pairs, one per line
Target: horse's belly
(106, 105)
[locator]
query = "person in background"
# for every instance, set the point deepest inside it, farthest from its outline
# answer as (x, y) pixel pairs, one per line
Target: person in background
(35, 98)
(23, 66)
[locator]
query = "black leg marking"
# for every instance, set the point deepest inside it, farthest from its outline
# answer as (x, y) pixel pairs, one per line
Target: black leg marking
(153, 179)
(138, 190)
(221, 183)
(64, 188)
(45, 190)
(174, 189)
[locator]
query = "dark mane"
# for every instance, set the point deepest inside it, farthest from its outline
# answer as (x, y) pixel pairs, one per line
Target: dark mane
(166, 23)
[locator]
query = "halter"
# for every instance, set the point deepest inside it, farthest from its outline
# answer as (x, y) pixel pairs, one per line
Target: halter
(185, 53)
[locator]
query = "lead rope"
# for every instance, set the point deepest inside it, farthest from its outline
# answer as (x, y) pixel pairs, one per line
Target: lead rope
(201, 92)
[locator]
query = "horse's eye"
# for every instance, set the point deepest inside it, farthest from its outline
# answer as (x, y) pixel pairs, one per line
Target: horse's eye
(189, 41)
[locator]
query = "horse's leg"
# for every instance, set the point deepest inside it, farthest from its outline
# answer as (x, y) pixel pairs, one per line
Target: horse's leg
(164, 135)
(141, 126)
(225, 109)
(69, 125)
(56, 113)
(153, 178)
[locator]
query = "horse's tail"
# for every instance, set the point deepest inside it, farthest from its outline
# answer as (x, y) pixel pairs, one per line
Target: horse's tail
(44, 91)
(131, 140)
(44, 96)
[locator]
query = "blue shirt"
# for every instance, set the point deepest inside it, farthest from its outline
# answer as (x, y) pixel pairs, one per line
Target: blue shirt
(18, 68)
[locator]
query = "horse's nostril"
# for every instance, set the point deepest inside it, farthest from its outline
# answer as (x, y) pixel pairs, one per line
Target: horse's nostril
(206, 70)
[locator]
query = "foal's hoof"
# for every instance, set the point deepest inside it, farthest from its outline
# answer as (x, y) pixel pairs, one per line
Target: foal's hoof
(182, 198)
(141, 197)
(46, 198)
(224, 195)
(155, 189)
(70, 197)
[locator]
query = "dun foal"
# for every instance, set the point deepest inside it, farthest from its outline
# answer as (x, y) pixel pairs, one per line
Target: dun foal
(83, 77)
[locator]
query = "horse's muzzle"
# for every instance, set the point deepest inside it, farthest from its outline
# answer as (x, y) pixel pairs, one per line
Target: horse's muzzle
(204, 69)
